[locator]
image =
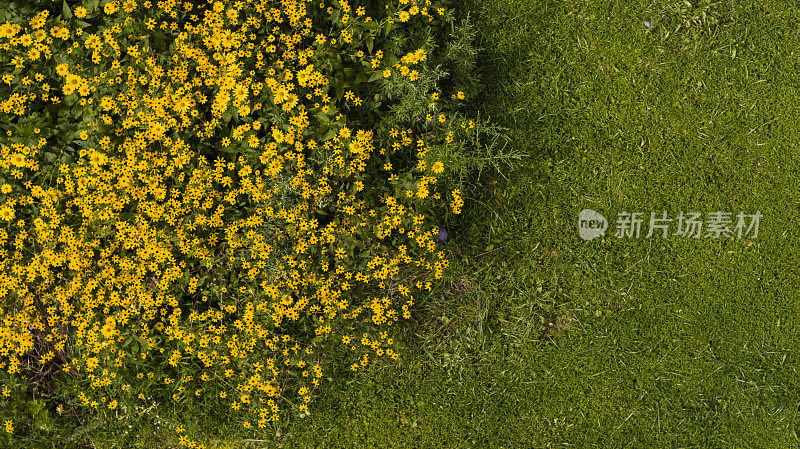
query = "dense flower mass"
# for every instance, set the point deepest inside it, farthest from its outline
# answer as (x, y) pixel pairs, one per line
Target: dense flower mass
(185, 203)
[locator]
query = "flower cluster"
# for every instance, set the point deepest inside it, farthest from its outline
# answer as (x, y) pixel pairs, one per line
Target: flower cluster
(458, 202)
(204, 219)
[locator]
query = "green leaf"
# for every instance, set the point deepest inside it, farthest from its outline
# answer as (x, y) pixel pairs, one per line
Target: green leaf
(66, 11)
(323, 117)
(91, 5)
(369, 41)
(161, 41)
(142, 342)
(329, 135)
(389, 27)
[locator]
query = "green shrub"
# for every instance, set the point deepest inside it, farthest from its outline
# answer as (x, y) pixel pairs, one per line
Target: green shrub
(200, 201)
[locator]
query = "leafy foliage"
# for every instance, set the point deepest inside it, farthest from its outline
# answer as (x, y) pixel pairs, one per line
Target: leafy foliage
(202, 200)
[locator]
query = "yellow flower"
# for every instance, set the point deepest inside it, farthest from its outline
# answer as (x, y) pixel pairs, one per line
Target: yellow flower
(240, 93)
(109, 328)
(281, 95)
(5, 189)
(129, 5)
(84, 135)
(73, 81)
(80, 12)
(91, 363)
(6, 214)
(227, 39)
(457, 201)
(18, 160)
(387, 73)
(437, 167)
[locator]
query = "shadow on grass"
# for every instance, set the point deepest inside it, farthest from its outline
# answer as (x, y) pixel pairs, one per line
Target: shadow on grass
(539, 116)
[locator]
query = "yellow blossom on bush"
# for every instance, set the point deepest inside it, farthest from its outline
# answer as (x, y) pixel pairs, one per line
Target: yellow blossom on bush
(110, 8)
(18, 160)
(217, 206)
(458, 202)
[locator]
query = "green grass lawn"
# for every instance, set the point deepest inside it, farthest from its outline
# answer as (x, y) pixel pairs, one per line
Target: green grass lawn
(540, 339)
(537, 338)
